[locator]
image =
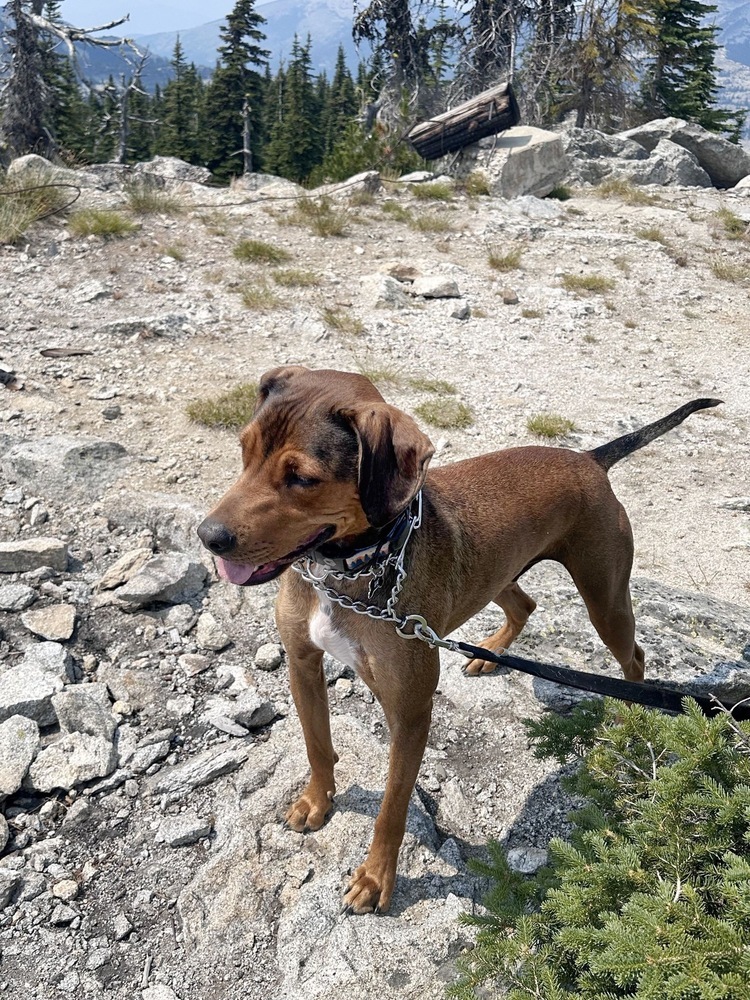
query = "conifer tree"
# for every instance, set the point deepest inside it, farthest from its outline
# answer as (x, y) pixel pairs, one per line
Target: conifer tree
(296, 145)
(341, 106)
(681, 80)
(236, 83)
(178, 113)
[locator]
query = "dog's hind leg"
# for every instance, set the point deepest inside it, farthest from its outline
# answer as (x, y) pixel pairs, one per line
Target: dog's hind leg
(517, 606)
(603, 582)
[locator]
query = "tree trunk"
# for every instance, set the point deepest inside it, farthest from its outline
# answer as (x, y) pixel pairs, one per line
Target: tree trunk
(488, 113)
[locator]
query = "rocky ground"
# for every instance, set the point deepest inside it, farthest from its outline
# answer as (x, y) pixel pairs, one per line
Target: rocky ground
(148, 744)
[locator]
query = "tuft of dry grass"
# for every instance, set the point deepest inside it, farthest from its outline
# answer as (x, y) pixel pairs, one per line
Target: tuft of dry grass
(532, 313)
(397, 211)
(549, 425)
(230, 410)
(730, 224)
(631, 194)
(727, 270)
(431, 224)
(448, 414)
(432, 191)
(147, 199)
(259, 297)
(477, 184)
(101, 222)
(361, 199)
(434, 385)
(509, 261)
(291, 277)
(321, 216)
(382, 375)
(595, 283)
(258, 252)
(24, 202)
(653, 234)
(342, 321)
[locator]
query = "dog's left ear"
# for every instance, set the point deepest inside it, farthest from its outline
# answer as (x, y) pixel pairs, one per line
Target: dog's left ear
(393, 459)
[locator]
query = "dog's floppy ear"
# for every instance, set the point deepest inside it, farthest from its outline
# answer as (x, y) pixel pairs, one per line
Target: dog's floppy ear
(393, 459)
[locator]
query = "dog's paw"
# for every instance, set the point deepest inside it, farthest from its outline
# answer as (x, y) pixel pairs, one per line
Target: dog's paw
(309, 811)
(476, 666)
(370, 889)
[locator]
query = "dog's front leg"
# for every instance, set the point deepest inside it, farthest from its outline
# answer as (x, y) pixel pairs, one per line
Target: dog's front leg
(406, 696)
(308, 685)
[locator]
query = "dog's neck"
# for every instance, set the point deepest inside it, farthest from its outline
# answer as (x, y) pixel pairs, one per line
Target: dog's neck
(374, 546)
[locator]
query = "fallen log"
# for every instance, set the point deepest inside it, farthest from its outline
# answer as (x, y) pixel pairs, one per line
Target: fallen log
(490, 112)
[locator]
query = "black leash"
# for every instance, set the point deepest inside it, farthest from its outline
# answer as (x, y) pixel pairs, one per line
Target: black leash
(652, 695)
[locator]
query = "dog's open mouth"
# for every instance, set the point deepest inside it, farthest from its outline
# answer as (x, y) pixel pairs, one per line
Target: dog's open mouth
(247, 574)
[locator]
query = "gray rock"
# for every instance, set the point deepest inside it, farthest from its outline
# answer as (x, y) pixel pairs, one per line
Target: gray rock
(166, 325)
(148, 754)
(523, 160)
(435, 288)
(171, 169)
(182, 830)
(19, 742)
(16, 597)
(10, 884)
(62, 915)
(172, 522)
(205, 767)
(367, 182)
(743, 184)
(461, 310)
(169, 578)
(31, 169)
(85, 708)
(91, 291)
(121, 927)
(27, 690)
(681, 166)
(142, 690)
(724, 162)
(535, 208)
(51, 658)
(527, 860)
(249, 710)
(210, 634)
(225, 725)
(380, 291)
(733, 503)
(416, 177)
(4, 837)
(33, 553)
(193, 664)
(269, 656)
(59, 464)
(124, 568)
(65, 890)
(56, 622)
(70, 761)
(159, 992)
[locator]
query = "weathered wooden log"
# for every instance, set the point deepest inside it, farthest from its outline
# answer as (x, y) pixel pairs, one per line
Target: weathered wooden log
(492, 111)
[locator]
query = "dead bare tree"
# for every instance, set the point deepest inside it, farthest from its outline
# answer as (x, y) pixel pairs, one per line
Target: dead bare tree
(24, 91)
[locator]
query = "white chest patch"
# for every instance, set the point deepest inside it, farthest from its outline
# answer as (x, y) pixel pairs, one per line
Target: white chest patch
(325, 637)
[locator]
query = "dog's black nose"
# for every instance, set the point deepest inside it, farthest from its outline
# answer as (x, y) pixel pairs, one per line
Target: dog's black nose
(216, 536)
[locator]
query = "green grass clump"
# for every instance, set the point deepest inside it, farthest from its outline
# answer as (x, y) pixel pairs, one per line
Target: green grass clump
(648, 896)
(397, 211)
(432, 191)
(434, 385)
(532, 313)
(147, 199)
(477, 184)
(258, 252)
(595, 283)
(101, 222)
(509, 261)
(230, 411)
(291, 277)
(549, 425)
(561, 193)
(448, 414)
(631, 194)
(381, 375)
(259, 297)
(342, 321)
(27, 200)
(321, 216)
(733, 227)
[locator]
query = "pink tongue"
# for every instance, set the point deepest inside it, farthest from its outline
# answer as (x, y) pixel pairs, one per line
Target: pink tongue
(238, 573)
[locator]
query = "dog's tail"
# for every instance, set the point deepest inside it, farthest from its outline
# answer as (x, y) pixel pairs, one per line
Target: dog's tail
(607, 454)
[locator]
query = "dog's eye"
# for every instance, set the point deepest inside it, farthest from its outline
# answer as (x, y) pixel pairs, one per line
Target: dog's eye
(295, 479)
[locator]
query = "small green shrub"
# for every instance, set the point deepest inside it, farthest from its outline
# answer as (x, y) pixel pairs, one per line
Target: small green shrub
(397, 211)
(549, 425)
(732, 226)
(342, 321)
(100, 222)
(431, 224)
(258, 252)
(650, 899)
(259, 297)
(477, 184)
(231, 410)
(653, 234)
(448, 414)
(561, 193)
(434, 385)
(293, 278)
(321, 216)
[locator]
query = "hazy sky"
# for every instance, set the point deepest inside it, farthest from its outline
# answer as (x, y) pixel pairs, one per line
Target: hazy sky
(145, 17)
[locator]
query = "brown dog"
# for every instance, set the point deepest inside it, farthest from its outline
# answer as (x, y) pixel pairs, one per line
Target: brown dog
(330, 473)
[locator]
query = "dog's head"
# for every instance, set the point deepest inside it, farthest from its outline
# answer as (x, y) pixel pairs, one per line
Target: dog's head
(325, 458)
